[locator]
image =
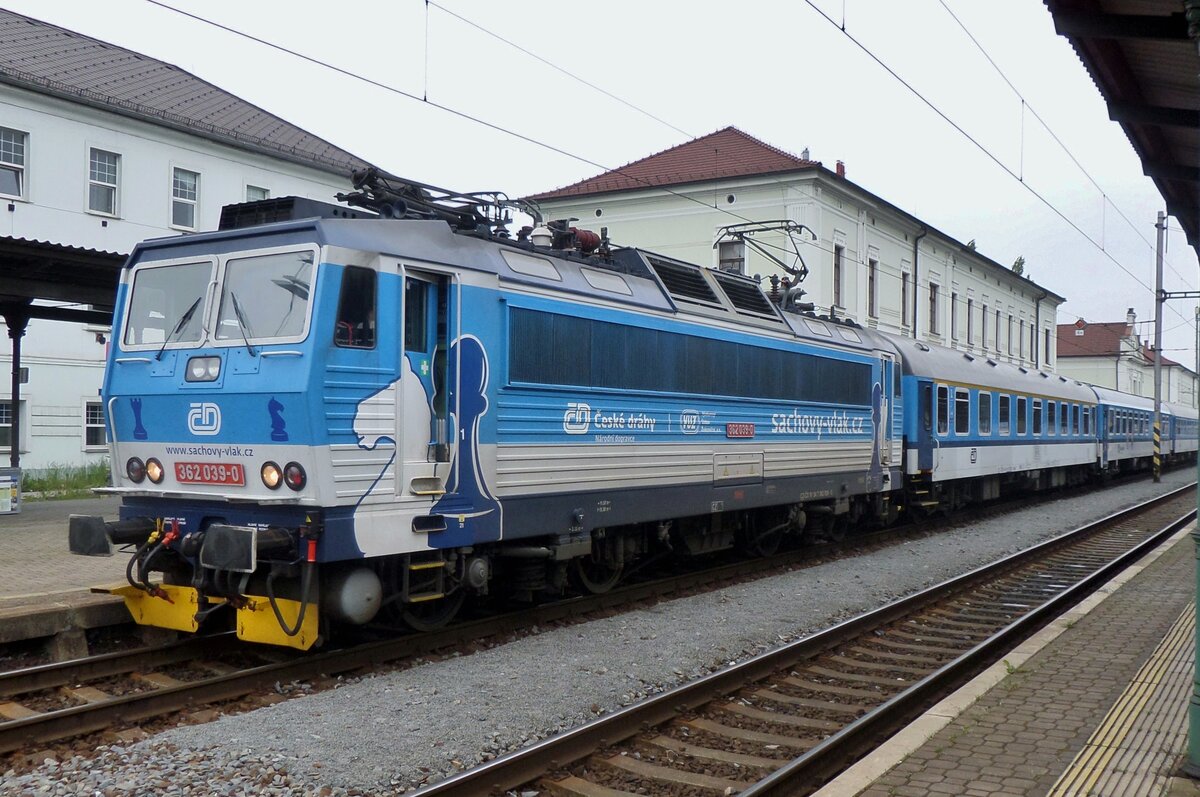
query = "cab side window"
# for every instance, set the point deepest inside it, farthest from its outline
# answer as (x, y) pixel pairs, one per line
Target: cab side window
(356, 310)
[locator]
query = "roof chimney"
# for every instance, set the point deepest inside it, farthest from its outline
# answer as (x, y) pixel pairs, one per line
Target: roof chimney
(841, 169)
(804, 153)
(1130, 317)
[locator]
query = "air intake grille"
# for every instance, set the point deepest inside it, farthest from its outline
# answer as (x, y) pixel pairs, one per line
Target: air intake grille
(683, 282)
(747, 298)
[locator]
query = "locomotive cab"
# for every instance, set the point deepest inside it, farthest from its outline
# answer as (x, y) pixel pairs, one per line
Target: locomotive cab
(252, 403)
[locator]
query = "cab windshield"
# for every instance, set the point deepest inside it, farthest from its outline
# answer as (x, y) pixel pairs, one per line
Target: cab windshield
(168, 302)
(264, 297)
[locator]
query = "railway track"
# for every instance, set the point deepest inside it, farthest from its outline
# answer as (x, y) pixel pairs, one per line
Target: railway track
(787, 721)
(52, 702)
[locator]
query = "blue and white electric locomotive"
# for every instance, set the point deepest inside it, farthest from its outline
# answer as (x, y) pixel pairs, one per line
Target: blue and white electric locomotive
(318, 418)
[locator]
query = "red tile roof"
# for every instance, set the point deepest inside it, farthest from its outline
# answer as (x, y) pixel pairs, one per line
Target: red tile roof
(726, 153)
(1148, 353)
(1097, 340)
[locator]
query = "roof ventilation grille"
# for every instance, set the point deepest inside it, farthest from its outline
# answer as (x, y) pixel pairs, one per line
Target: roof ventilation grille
(683, 282)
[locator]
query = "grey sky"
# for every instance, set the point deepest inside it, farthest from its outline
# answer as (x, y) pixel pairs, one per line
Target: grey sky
(779, 71)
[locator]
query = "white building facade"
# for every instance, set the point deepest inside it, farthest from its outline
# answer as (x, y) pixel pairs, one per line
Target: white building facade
(870, 261)
(81, 170)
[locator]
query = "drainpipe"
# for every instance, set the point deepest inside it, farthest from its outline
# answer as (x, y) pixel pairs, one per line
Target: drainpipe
(916, 278)
(1038, 356)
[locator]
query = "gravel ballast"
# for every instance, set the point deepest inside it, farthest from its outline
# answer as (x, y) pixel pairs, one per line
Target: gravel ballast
(388, 733)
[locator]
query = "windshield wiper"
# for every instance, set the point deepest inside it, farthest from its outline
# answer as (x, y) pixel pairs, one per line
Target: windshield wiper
(183, 322)
(243, 324)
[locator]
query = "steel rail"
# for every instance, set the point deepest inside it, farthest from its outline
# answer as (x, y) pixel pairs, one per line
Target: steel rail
(91, 717)
(105, 665)
(529, 763)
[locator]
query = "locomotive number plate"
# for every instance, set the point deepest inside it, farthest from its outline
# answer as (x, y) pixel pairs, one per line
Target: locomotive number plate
(210, 473)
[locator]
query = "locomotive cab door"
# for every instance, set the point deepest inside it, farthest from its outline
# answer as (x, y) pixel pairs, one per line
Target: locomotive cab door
(427, 351)
(884, 431)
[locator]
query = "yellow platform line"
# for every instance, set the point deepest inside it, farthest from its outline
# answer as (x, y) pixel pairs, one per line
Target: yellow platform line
(1092, 761)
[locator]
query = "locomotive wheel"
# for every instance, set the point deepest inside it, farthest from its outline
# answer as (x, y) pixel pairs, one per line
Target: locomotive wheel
(595, 577)
(432, 615)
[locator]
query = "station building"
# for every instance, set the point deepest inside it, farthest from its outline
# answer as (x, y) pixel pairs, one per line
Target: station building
(1114, 355)
(100, 148)
(870, 261)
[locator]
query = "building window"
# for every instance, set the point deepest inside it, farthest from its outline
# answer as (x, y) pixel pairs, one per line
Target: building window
(1021, 339)
(1010, 334)
(904, 298)
(185, 190)
(837, 275)
(933, 308)
(102, 181)
(872, 273)
(256, 194)
(93, 425)
(731, 257)
(6, 423)
(954, 316)
(12, 163)
(970, 321)
(1046, 347)
(997, 331)
(983, 316)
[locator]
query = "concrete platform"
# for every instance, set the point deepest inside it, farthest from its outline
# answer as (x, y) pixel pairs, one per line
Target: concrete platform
(36, 564)
(1094, 704)
(45, 591)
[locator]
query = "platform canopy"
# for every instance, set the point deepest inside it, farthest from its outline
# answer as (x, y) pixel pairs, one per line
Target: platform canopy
(81, 283)
(1143, 56)
(74, 284)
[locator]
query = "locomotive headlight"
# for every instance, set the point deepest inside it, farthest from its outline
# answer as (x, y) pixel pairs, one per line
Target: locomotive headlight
(154, 470)
(135, 469)
(294, 475)
(203, 369)
(272, 476)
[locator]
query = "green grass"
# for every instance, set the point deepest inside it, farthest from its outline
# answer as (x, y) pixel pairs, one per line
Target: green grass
(64, 481)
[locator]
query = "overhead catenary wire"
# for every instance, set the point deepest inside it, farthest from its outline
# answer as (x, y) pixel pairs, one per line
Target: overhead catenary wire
(575, 156)
(556, 67)
(987, 152)
(1026, 106)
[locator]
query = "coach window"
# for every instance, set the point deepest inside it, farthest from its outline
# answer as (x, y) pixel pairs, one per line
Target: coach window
(1037, 416)
(943, 409)
(962, 411)
(1004, 427)
(1087, 420)
(1051, 417)
(1022, 417)
(985, 413)
(1062, 418)
(927, 407)
(1075, 419)
(356, 309)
